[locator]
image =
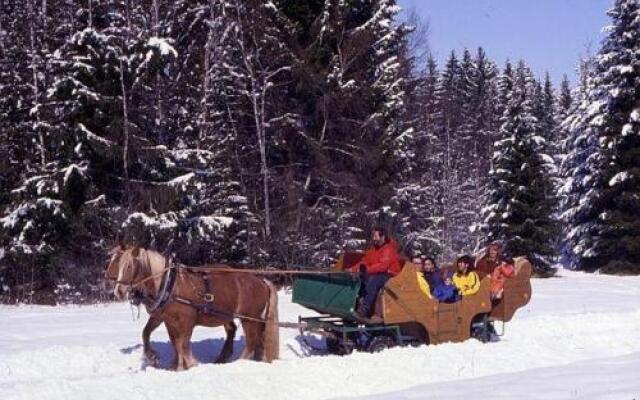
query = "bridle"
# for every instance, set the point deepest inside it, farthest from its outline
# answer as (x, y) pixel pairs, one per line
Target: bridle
(135, 295)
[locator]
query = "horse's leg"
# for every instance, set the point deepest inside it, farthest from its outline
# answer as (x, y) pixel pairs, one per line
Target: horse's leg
(150, 354)
(230, 327)
(173, 337)
(252, 331)
(182, 346)
(179, 348)
(188, 359)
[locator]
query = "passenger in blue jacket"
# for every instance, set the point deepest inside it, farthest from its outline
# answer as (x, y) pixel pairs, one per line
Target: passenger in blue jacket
(447, 292)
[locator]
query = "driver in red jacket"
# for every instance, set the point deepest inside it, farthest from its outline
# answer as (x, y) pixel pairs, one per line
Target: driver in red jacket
(379, 263)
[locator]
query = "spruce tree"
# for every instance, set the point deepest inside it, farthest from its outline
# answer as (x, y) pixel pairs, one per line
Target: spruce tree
(484, 112)
(609, 213)
(565, 103)
(564, 100)
(32, 217)
(414, 203)
(519, 211)
(504, 87)
(578, 146)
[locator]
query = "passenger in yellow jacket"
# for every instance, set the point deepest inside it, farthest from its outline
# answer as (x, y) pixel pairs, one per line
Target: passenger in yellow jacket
(422, 282)
(466, 280)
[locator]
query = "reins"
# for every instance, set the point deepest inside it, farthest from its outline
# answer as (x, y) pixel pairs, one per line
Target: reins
(227, 270)
(212, 269)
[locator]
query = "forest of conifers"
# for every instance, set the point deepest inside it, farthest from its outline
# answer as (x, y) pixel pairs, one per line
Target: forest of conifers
(277, 133)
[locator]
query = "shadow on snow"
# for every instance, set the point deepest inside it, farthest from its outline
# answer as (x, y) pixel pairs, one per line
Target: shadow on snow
(205, 351)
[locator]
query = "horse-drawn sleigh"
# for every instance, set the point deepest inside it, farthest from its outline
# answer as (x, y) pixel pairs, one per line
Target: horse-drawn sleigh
(182, 297)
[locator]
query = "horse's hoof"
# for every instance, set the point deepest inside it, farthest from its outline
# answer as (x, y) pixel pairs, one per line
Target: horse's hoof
(152, 360)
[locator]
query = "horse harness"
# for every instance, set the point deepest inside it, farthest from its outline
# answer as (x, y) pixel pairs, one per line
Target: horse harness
(165, 295)
(206, 307)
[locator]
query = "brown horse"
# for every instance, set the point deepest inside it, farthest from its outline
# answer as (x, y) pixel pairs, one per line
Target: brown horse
(183, 297)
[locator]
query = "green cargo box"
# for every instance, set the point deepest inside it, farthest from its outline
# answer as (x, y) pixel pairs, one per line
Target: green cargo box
(334, 294)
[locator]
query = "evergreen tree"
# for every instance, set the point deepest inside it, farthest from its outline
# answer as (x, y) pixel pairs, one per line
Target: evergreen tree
(452, 211)
(504, 89)
(484, 113)
(32, 220)
(607, 216)
(519, 211)
(564, 103)
(578, 146)
(564, 100)
(414, 204)
(544, 110)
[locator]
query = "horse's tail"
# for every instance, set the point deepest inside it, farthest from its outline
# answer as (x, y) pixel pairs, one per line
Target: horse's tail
(271, 335)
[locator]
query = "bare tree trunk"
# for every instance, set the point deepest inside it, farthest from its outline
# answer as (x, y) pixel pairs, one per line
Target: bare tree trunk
(158, 84)
(156, 17)
(32, 285)
(127, 16)
(90, 6)
(125, 131)
(307, 181)
(258, 117)
(262, 146)
(447, 191)
(206, 78)
(36, 93)
(44, 16)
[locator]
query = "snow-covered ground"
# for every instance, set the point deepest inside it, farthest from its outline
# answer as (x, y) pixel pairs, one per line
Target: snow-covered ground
(577, 339)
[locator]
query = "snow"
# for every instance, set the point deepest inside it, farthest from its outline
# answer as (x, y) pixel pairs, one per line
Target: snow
(163, 45)
(619, 178)
(161, 222)
(93, 137)
(70, 169)
(539, 140)
(215, 222)
(100, 200)
(625, 69)
(547, 159)
(181, 180)
(576, 339)
(596, 379)
(10, 220)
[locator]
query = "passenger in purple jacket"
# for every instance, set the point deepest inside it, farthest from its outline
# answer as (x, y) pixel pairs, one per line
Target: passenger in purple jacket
(447, 292)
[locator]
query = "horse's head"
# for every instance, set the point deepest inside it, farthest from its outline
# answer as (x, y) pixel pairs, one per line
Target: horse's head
(127, 267)
(112, 268)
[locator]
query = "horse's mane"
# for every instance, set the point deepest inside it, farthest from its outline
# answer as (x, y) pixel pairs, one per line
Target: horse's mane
(126, 255)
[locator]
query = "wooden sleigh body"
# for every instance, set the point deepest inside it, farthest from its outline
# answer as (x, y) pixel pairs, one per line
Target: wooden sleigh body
(408, 316)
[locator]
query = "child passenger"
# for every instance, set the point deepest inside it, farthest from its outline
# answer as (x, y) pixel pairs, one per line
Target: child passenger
(500, 274)
(447, 292)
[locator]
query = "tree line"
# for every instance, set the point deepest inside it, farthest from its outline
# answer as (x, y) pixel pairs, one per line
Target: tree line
(274, 133)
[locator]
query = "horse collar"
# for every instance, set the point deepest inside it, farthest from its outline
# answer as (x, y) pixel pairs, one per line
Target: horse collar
(166, 288)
